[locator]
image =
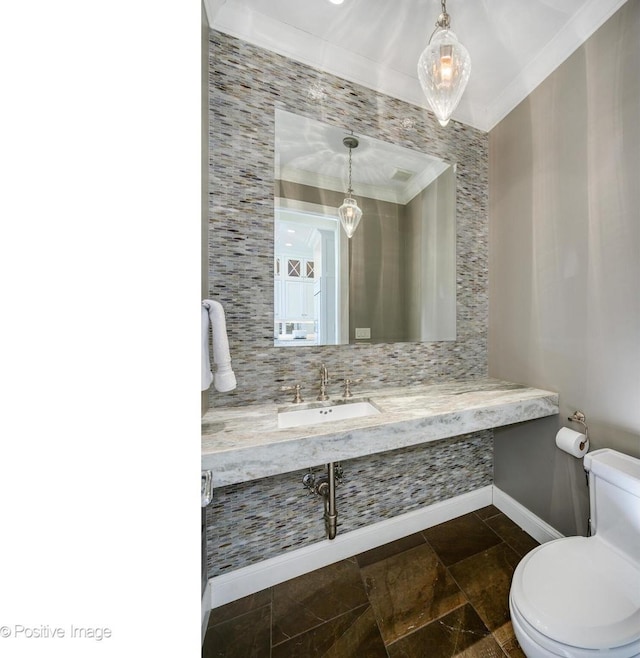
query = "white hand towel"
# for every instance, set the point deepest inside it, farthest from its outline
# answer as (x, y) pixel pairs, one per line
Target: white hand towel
(224, 379)
(207, 376)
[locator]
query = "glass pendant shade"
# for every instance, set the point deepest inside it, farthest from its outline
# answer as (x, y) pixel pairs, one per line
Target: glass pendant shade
(443, 70)
(350, 215)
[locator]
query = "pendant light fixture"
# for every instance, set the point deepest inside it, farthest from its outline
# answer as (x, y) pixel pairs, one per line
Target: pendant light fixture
(349, 212)
(443, 69)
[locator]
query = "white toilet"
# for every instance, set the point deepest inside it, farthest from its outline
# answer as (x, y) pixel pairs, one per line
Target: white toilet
(580, 596)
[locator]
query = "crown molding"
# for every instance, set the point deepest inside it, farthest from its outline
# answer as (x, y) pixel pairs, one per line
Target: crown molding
(289, 41)
(582, 25)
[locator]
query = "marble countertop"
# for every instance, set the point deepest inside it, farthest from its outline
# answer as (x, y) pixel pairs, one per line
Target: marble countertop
(245, 443)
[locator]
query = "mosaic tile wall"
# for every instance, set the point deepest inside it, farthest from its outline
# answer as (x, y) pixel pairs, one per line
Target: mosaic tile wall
(253, 521)
(260, 519)
(246, 84)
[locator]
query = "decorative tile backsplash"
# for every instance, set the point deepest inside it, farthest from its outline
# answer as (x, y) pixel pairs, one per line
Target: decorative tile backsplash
(256, 520)
(246, 84)
(260, 519)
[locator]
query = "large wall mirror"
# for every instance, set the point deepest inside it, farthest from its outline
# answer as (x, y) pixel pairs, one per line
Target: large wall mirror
(395, 279)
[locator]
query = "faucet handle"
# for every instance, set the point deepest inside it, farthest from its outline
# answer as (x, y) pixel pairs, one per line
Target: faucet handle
(297, 398)
(347, 387)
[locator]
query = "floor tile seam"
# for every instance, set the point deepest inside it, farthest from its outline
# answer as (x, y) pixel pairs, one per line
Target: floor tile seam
(479, 613)
(236, 617)
(495, 639)
(458, 585)
(506, 542)
(438, 560)
(326, 621)
(470, 602)
(484, 550)
(375, 619)
(495, 531)
(433, 621)
(506, 641)
(493, 516)
(428, 543)
(448, 571)
(515, 550)
(392, 554)
(447, 566)
(464, 590)
(476, 555)
(271, 623)
(365, 607)
(503, 537)
(498, 535)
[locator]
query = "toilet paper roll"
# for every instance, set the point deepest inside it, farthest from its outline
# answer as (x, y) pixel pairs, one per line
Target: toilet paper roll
(573, 442)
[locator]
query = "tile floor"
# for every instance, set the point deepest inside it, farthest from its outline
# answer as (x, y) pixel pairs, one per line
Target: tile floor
(438, 593)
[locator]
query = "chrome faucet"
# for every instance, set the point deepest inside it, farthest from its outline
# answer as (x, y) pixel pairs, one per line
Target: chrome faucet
(297, 398)
(347, 387)
(324, 380)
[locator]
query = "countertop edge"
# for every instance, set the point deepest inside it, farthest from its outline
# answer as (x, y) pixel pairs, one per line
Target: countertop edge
(239, 463)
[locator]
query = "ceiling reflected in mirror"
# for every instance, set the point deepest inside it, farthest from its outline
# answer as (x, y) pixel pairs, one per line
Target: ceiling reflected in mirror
(310, 152)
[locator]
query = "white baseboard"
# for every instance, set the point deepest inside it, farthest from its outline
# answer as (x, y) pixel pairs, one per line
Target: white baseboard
(256, 577)
(528, 521)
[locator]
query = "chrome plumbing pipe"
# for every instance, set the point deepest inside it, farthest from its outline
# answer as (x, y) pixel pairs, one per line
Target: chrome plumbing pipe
(325, 485)
(330, 512)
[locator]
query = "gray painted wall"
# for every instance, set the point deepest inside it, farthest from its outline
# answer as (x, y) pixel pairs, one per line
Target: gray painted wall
(431, 261)
(564, 265)
(376, 282)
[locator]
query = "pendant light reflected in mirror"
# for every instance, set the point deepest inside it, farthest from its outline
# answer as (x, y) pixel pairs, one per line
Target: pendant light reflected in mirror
(349, 212)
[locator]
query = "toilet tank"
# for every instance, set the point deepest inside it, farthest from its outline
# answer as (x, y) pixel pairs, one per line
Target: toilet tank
(614, 497)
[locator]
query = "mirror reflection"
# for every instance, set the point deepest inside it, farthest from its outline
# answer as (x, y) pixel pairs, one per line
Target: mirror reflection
(394, 280)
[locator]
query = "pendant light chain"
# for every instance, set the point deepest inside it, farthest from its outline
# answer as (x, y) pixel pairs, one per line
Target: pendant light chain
(348, 212)
(443, 20)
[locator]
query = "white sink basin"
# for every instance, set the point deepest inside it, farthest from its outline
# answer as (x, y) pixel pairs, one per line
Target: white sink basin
(300, 417)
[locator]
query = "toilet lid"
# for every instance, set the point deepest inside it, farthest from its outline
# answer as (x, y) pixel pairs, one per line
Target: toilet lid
(580, 592)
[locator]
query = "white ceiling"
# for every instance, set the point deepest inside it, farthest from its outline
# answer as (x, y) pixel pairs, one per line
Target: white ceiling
(514, 44)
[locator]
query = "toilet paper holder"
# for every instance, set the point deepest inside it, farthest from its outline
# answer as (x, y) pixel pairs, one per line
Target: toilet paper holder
(579, 417)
